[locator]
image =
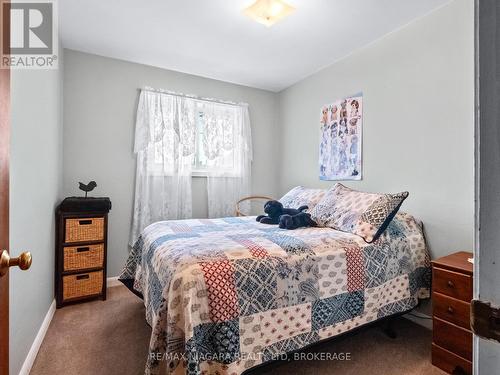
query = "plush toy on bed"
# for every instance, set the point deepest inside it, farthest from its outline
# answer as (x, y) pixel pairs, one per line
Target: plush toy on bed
(302, 219)
(274, 209)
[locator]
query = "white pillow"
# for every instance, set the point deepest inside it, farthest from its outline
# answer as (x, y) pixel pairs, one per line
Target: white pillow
(300, 196)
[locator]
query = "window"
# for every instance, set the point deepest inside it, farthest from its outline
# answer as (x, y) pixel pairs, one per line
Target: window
(214, 145)
(177, 136)
(213, 141)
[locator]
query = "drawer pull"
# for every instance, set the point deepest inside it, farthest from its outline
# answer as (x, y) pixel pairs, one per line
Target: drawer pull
(82, 277)
(85, 222)
(82, 249)
(451, 284)
(450, 310)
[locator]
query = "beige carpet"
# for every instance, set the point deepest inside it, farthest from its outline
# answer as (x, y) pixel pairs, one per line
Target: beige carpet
(112, 337)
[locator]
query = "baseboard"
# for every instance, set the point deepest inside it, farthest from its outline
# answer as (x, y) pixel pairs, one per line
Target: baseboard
(35, 347)
(113, 281)
(425, 321)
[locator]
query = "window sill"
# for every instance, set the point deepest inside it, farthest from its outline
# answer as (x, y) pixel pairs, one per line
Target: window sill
(203, 174)
(199, 175)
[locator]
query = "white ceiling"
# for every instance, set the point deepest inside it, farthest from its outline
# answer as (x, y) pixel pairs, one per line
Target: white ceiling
(212, 38)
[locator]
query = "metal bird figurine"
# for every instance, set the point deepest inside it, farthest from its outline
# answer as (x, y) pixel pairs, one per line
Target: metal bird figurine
(87, 187)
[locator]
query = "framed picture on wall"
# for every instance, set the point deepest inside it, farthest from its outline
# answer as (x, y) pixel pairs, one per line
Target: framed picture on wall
(341, 130)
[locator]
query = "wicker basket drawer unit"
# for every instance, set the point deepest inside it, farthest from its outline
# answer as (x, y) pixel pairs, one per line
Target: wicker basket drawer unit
(81, 252)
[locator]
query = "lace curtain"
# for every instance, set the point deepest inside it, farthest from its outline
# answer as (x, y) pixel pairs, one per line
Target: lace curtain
(165, 146)
(175, 134)
(229, 142)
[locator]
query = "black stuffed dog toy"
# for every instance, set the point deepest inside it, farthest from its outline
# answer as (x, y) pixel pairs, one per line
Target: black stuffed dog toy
(274, 209)
(302, 219)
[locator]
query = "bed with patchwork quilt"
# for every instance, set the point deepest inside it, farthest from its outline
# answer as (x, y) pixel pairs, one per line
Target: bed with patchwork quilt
(225, 295)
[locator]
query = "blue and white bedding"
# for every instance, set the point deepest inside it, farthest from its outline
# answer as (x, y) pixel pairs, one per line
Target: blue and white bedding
(225, 295)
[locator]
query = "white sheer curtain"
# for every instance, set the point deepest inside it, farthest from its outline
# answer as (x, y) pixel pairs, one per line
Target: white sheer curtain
(165, 148)
(231, 151)
(173, 135)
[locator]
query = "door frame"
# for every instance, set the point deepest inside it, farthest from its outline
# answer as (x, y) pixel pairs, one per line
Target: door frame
(487, 173)
(4, 192)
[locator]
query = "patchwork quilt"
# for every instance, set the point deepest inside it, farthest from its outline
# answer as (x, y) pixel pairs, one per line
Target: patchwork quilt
(224, 295)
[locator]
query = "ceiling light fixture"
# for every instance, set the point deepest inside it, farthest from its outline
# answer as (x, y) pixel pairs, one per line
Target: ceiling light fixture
(268, 12)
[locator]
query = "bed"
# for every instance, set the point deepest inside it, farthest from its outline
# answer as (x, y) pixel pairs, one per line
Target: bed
(225, 295)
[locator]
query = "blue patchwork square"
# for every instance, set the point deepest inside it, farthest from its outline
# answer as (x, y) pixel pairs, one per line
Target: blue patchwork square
(155, 289)
(218, 341)
(290, 244)
(161, 240)
(192, 359)
(255, 284)
(207, 228)
(395, 229)
(274, 351)
(376, 261)
(297, 281)
(270, 228)
(420, 278)
(328, 311)
(234, 220)
(400, 306)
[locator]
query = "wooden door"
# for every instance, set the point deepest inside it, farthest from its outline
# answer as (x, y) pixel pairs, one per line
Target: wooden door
(4, 198)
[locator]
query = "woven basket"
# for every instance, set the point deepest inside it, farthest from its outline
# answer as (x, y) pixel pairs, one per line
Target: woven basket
(80, 285)
(82, 257)
(87, 229)
(238, 210)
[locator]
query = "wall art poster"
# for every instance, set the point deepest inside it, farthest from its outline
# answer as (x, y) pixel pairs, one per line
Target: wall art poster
(340, 139)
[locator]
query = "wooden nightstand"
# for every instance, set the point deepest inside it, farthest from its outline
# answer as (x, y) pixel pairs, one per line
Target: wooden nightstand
(81, 249)
(451, 297)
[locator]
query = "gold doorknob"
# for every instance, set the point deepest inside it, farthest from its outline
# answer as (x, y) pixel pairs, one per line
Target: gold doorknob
(23, 261)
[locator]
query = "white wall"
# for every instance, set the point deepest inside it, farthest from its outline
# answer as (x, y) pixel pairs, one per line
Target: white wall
(418, 126)
(418, 92)
(100, 103)
(35, 189)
